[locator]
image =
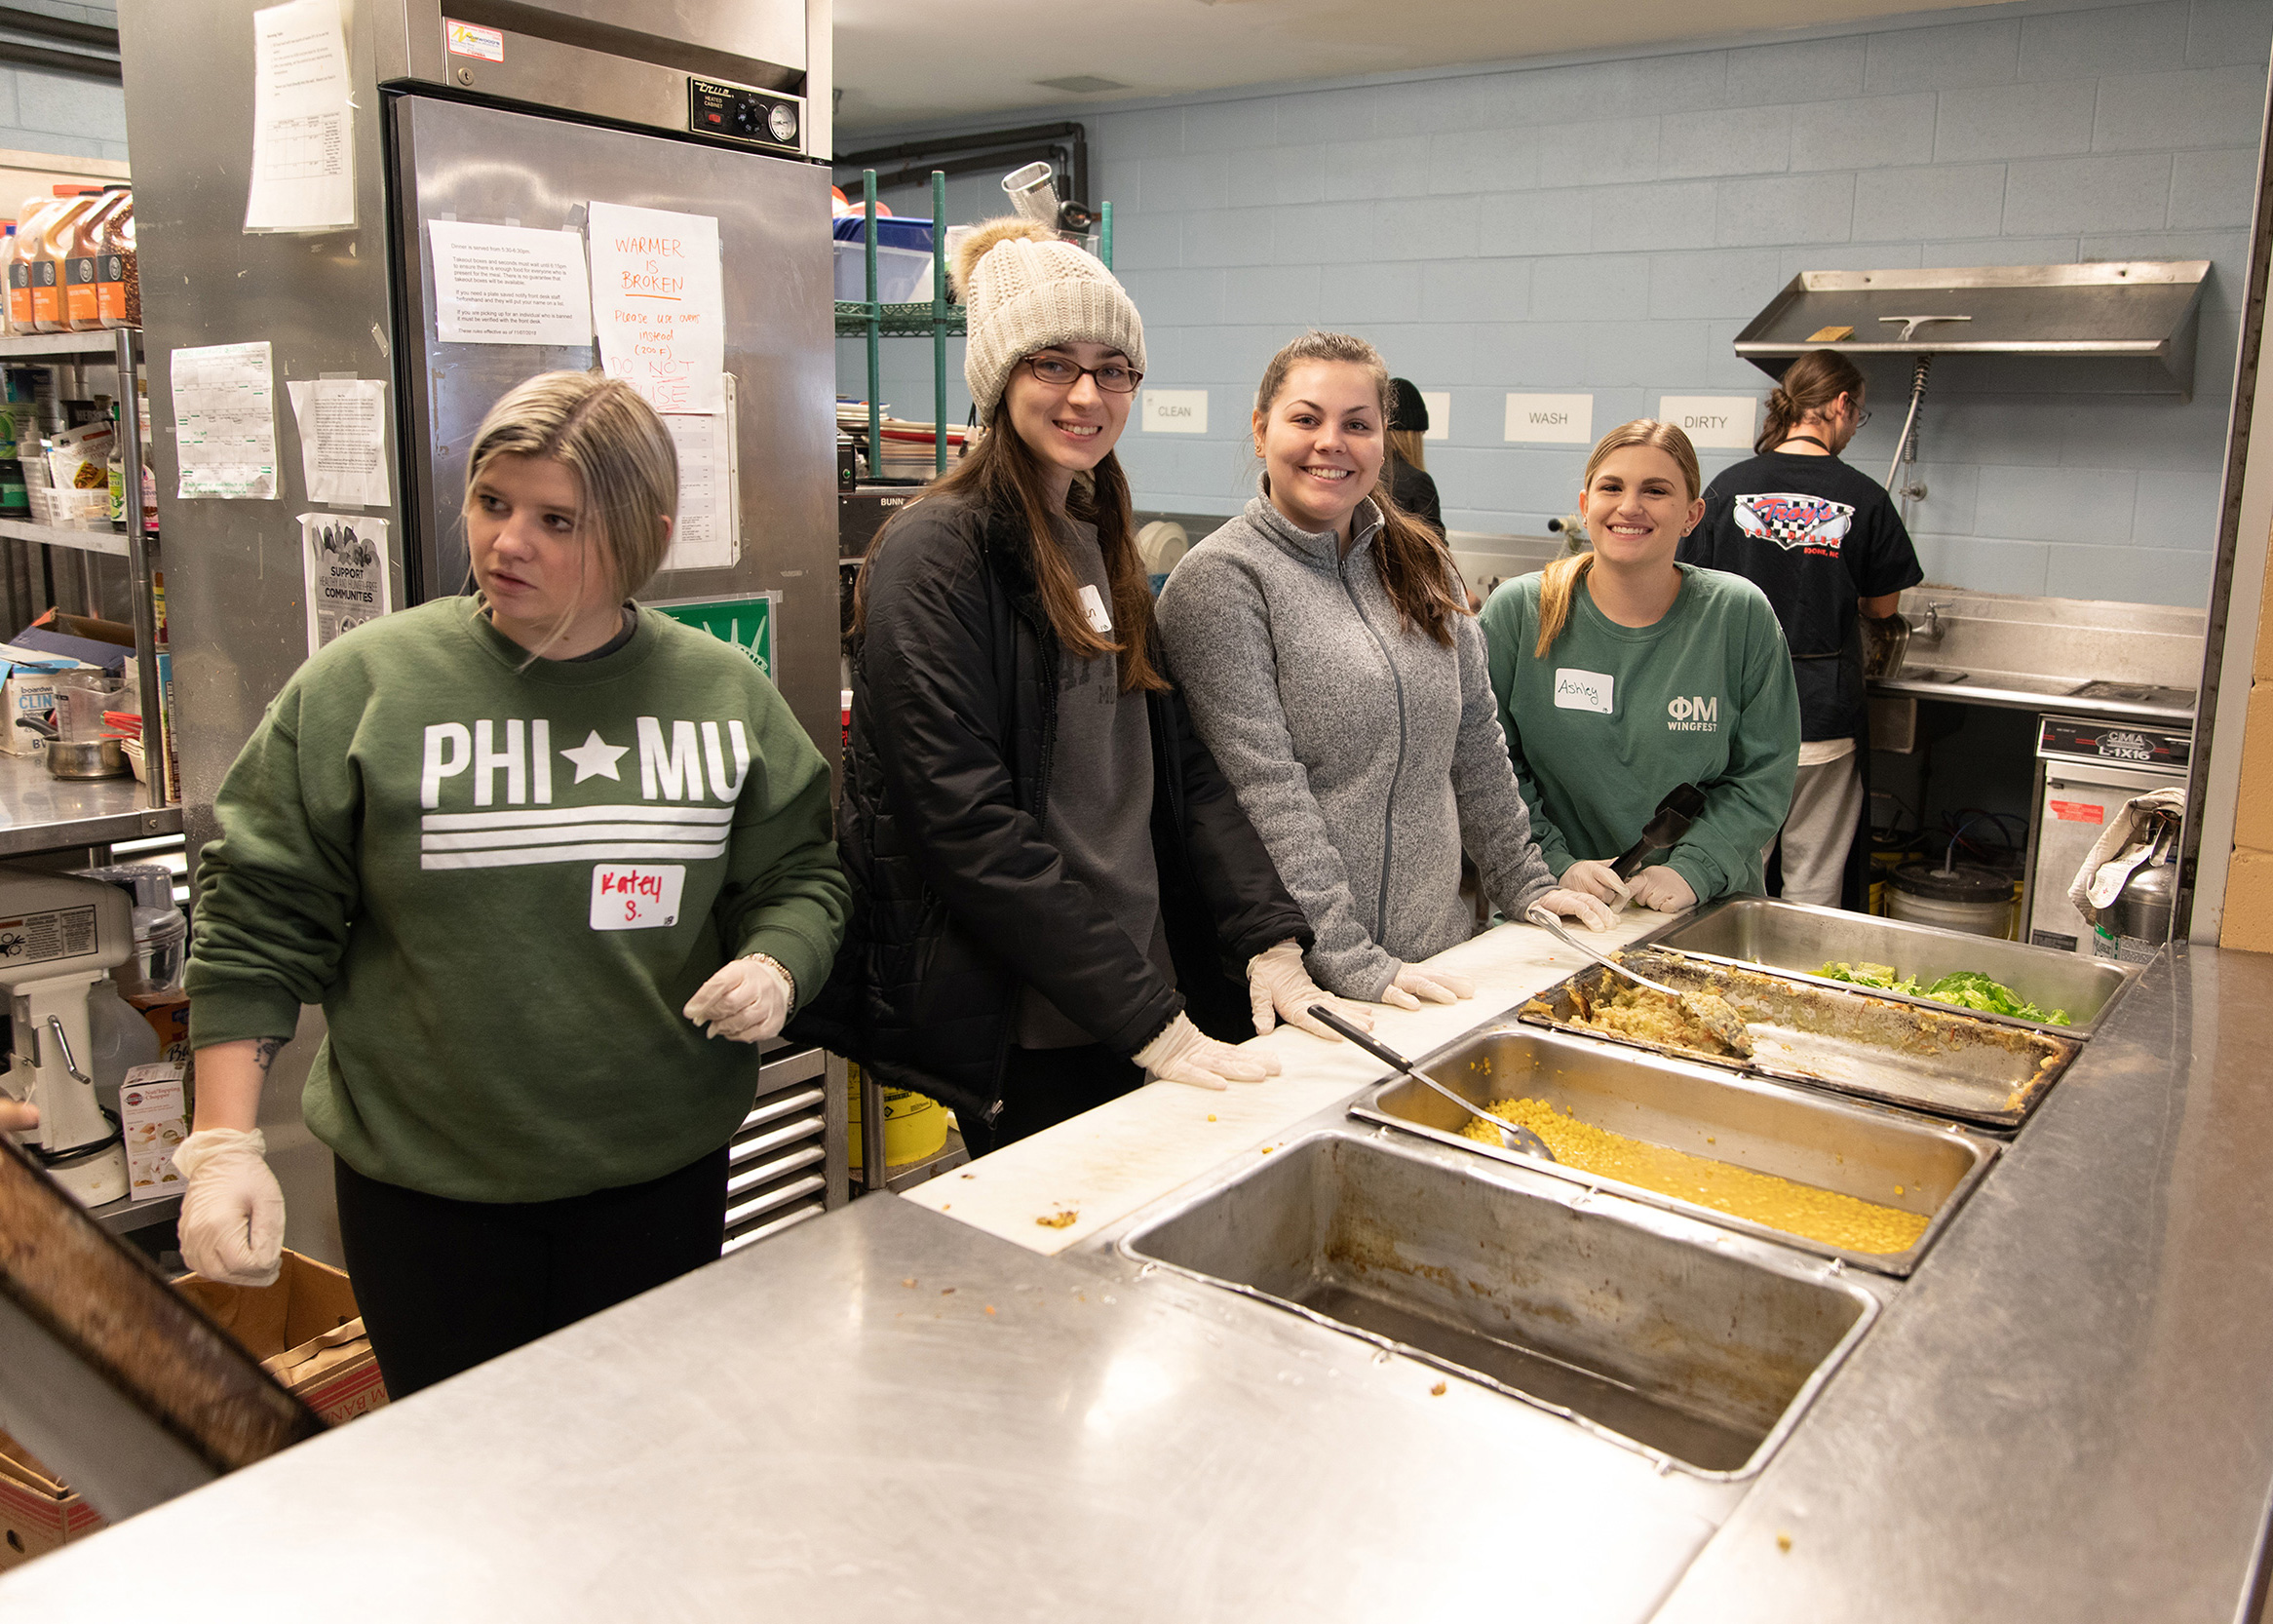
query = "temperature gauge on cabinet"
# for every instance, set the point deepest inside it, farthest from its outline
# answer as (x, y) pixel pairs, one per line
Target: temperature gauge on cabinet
(750, 117)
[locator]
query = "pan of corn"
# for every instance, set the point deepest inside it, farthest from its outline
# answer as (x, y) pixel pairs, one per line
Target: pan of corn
(1820, 1035)
(1871, 1186)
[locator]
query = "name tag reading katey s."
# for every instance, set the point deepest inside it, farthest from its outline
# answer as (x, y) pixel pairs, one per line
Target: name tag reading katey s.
(1092, 605)
(636, 896)
(1581, 690)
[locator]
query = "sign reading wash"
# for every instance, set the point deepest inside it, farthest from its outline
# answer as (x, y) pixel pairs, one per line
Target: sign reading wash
(1550, 419)
(747, 622)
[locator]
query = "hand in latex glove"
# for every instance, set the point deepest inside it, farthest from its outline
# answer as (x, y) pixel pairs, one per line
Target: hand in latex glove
(232, 1212)
(1409, 989)
(17, 1117)
(1598, 880)
(1280, 989)
(748, 1000)
(1659, 887)
(1577, 904)
(1184, 1053)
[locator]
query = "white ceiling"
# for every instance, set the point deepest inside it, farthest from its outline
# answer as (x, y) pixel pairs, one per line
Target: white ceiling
(915, 61)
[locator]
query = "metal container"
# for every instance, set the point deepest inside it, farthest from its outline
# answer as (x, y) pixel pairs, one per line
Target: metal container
(1611, 1315)
(80, 759)
(1833, 1144)
(1799, 940)
(1825, 1034)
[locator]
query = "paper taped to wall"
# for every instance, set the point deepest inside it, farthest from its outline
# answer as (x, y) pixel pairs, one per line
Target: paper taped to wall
(303, 121)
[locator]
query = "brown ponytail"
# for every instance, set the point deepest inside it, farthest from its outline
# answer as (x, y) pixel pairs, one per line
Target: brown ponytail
(1415, 565)
(1809, 385)
(1003, 475)
(1558, 581)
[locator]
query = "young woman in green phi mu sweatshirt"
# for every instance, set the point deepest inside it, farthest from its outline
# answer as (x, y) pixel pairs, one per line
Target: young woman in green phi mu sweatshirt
(550, 863)
(1622, 673)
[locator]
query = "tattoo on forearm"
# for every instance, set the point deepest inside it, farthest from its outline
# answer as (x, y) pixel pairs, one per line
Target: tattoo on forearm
(265, 1051)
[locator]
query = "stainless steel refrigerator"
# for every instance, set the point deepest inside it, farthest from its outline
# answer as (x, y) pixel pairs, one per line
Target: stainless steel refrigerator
(504, 112)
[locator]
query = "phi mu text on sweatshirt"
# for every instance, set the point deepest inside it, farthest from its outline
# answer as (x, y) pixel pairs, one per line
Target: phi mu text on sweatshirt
(1366, 754)
(502, 885)
(1617, 716)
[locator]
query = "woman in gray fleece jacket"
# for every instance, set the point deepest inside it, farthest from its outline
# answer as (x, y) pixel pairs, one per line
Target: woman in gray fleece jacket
(1332, 668)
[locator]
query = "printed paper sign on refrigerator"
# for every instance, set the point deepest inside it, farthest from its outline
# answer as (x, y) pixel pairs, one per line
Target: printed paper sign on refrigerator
(659, 301)
(343, 563)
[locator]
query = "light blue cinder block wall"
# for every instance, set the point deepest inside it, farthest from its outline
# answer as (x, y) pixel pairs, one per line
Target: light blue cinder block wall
(1607, 227)
(62, 113)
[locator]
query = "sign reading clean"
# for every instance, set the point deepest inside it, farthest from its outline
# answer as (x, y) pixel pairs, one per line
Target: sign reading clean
(1711, 420)
(1175, 412)
(1552, 419)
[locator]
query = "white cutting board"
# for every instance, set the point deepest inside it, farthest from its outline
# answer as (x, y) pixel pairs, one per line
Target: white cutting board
(1106, 1163)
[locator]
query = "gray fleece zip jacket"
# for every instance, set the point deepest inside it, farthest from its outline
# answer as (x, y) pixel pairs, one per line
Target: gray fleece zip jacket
(1366, 757)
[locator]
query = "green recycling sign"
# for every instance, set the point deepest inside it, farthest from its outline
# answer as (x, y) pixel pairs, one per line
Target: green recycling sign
(747, 623)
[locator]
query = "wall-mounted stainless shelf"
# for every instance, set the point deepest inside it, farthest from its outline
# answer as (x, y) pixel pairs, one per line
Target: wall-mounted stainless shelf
(2138, 309)
(40, 813)
(35, 346)
(110, 543)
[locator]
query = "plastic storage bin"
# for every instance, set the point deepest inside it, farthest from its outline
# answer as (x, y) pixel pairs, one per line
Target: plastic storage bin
(902, 259)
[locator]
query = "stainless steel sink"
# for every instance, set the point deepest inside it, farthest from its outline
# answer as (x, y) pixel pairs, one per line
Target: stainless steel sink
(1882, 1156)
(1694, 1346)
(1799, 940)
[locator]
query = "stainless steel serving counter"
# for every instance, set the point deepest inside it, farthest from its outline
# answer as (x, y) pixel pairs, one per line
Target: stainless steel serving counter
(2063, 1414)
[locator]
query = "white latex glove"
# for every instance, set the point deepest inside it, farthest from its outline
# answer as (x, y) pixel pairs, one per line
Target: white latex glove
(1660, 888)
(1409, 987)
(1184, 1053)
(17, 1117)
(1577, 904)
(748, 1000)
(232, 1212)
(1598, 880)
(1280, 989)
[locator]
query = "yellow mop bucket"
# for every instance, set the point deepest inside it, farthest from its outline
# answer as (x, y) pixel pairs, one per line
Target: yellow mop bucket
(915, 1125)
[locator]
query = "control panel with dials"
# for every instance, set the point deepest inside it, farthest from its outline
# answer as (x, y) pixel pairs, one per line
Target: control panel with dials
(750, 117)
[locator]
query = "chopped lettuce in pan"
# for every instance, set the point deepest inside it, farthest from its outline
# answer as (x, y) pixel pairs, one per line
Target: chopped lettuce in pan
(1965, 989)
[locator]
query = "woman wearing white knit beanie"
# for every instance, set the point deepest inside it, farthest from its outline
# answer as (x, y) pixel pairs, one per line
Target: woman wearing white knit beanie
(1055, 891)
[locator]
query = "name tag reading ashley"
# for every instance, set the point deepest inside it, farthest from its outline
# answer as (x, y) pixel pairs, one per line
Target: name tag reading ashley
(1581, 690)
(1092, 605)
(636, 896)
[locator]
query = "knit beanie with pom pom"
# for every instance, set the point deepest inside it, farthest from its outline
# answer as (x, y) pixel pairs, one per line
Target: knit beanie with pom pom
(1025, 290)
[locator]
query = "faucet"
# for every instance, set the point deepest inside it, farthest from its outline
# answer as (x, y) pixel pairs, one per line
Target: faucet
(1931, 629)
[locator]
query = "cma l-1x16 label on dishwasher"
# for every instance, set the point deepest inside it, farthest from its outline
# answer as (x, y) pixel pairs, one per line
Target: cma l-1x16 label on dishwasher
(36, 938)
(636, 896)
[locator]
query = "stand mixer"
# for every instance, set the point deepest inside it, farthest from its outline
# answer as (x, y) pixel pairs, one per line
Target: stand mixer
(58, 937)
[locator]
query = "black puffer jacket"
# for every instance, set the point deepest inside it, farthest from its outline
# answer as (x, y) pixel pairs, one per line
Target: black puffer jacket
(958, 898)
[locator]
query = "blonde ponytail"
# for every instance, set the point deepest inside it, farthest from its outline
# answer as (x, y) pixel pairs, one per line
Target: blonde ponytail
(1557, 585)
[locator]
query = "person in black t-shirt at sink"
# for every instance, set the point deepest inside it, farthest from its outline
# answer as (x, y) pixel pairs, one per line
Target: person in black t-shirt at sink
(1826, 546)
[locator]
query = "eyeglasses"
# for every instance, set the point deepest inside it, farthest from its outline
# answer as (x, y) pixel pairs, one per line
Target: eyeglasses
(1114, 376)
(1861, 416)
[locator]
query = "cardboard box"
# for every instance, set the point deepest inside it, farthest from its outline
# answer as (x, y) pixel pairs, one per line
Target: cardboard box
(28, 688)
(169, 1016)
(305, 1331)
(154, 1119)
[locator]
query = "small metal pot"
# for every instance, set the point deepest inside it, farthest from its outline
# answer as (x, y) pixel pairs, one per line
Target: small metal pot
(84, 758)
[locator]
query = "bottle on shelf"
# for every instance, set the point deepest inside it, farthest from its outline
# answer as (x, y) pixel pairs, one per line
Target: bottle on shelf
(82, 262)
(118, 268)
(49, 248)
(30, 220)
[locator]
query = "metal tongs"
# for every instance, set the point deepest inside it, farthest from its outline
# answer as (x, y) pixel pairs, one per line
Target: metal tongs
(1710, 1010)
(1512, 1135)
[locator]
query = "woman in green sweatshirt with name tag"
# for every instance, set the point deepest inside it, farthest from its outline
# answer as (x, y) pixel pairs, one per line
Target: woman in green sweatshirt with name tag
(550, 863)
(1621, 673)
